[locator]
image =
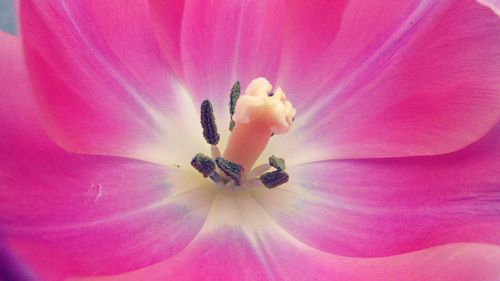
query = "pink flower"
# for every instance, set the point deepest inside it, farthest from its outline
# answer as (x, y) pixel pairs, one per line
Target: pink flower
(393, 158)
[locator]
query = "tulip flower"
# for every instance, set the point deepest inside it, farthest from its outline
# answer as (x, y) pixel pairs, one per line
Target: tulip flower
(251, 140)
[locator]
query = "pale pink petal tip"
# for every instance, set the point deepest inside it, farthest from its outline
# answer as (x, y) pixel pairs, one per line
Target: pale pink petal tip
(492, 4)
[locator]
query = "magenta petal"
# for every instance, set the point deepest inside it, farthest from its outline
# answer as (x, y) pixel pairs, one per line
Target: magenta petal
(328, 40)
(240, 241)
(310, 28)
(100, 77)
(275, 259)
(67, 214)
(220, 42)
(166, 17)
(18, 112)
(390, 206)
(224, 255)
(426, 85)
(95, 214)
(228, 255)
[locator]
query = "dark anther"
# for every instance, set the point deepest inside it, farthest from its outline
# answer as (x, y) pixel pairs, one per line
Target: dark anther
(277, 163)
(270, 94)
(233, 98)
(274, 179)
(235, 95)
(231, 169)
(208, 123)
(203, 164)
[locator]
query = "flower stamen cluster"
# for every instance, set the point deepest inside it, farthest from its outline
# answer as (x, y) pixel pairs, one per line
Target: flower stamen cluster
(255, 117)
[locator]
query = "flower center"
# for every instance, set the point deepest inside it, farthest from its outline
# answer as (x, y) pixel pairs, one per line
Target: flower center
(255, 117)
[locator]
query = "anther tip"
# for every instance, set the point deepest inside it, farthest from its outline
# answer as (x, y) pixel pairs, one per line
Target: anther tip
(203, 164)
(231, 169)
(208, 123)
(278, 163)
(274, 179)
(234, 96)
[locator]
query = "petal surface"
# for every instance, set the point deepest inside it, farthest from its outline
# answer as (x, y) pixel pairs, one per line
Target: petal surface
(493, 4)
(378, 207)
(278, 260)
(101, 80)
(215, 43)
(66, 214)
(248, 245)
(18, 111)
(415, 78)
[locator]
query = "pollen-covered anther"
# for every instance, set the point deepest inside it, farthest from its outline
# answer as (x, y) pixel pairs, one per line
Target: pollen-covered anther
(203, 164)
(277, 163)
(233, 98)
(208, 123)
(274, 179)
(269, 179)
(230, 169)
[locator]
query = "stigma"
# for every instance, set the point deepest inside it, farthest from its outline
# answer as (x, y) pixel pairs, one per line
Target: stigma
(257, 115)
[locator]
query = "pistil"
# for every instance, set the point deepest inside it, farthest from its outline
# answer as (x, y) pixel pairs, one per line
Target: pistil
(258, 114)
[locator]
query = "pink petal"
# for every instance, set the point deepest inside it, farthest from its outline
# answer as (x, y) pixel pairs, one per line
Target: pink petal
(220, 42)
(278, 260)
(389, 206)
(69, 214)
(100, 78)
(96, 215)
(16, 96)
(417, 78)
(327, 40)
(166, 17)
(66, 214)
(225, 255)
(257, 249)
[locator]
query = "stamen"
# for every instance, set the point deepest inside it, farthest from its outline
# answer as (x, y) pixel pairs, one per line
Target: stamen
(253, 182)
(208, 123)
(235, 94)
(259, 170)
(215, 151)
(231, 169)
(233, 98)
(278, 163)
(274, 179)
(255, 118)
(215, 177)
(203, 164)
